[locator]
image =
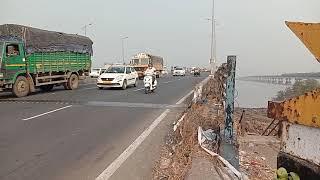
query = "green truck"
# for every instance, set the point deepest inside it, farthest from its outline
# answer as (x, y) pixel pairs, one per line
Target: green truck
(32, 58)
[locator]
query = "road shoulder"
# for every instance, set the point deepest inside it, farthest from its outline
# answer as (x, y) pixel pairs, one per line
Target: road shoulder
(140, 164)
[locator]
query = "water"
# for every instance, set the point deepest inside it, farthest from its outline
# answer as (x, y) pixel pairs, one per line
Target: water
(254, 94)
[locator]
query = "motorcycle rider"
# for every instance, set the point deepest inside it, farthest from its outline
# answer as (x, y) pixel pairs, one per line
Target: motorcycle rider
(151, 71)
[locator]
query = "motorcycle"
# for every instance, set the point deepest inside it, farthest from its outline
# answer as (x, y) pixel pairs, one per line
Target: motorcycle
(148, 86)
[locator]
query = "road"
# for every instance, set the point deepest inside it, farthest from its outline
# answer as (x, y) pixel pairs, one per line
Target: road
(77, 134)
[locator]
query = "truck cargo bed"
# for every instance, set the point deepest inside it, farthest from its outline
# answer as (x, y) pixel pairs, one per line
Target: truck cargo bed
(43, 62)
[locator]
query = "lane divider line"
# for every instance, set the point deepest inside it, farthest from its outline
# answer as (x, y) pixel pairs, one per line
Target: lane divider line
(167, 82)
(116, 164)
(138, 89)
(39, 115)
(184, 97)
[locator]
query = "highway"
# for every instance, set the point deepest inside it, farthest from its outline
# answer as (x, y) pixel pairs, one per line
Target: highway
(77, 134)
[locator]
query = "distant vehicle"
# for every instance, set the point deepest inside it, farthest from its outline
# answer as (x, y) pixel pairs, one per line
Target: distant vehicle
(96, 72)
(118, 76)
(165, 72)
(179, 72)
(33, 58)
(196, 72)
(141, 60)
(192, 70)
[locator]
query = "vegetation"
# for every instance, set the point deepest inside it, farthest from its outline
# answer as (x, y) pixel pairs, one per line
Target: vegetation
(297, 89)
(303, 75)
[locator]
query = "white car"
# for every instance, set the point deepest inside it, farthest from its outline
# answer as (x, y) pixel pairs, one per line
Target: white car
(179, 72)
(118, 76)
(96, 72)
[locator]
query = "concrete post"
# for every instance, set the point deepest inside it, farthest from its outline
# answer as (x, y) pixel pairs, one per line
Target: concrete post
(229, 144)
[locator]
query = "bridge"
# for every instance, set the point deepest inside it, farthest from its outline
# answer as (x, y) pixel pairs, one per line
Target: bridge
(284, 79)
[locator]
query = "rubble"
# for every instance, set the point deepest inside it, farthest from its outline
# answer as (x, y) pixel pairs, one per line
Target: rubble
(165, 163)
(254, 121)
(257, 154)
(209, 139)
(210, 142)
(182, 143)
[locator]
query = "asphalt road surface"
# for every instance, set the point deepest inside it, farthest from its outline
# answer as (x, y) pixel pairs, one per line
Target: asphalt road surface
(77, 134)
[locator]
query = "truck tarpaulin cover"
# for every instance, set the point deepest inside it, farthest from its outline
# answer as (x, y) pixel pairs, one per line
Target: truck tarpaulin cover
(37, 40)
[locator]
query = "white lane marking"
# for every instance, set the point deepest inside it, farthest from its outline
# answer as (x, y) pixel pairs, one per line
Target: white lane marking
(116, 164)
(65, 107)
(167, 82)
(112, 168)
(184, 97)
(138, 89)
(127, 104)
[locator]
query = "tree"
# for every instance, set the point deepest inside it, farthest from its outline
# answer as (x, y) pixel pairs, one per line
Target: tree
(297, 89)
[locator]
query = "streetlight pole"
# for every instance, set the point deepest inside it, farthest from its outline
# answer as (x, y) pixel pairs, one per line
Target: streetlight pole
(213, 57)
(122, 46)
(85, 28)
(213, 41)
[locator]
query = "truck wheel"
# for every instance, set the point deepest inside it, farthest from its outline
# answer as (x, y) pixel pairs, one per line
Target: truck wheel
(73, 82)
(65, 85)
(48, 87)
(124, 85)
(21, 87)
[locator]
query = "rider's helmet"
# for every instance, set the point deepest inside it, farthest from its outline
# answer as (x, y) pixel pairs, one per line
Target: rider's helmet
(149, 65)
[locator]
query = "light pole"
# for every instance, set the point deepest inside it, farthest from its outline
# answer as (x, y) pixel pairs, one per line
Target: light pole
(85, 28)
(122, 46)
(213, 41)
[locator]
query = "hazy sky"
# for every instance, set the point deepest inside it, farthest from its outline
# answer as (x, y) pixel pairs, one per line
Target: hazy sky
(254, 30)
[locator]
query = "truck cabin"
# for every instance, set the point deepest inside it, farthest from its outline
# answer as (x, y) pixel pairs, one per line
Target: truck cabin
(11, 57)
(140, 61)
(135, 62)
(139, 69)
(140, 65)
